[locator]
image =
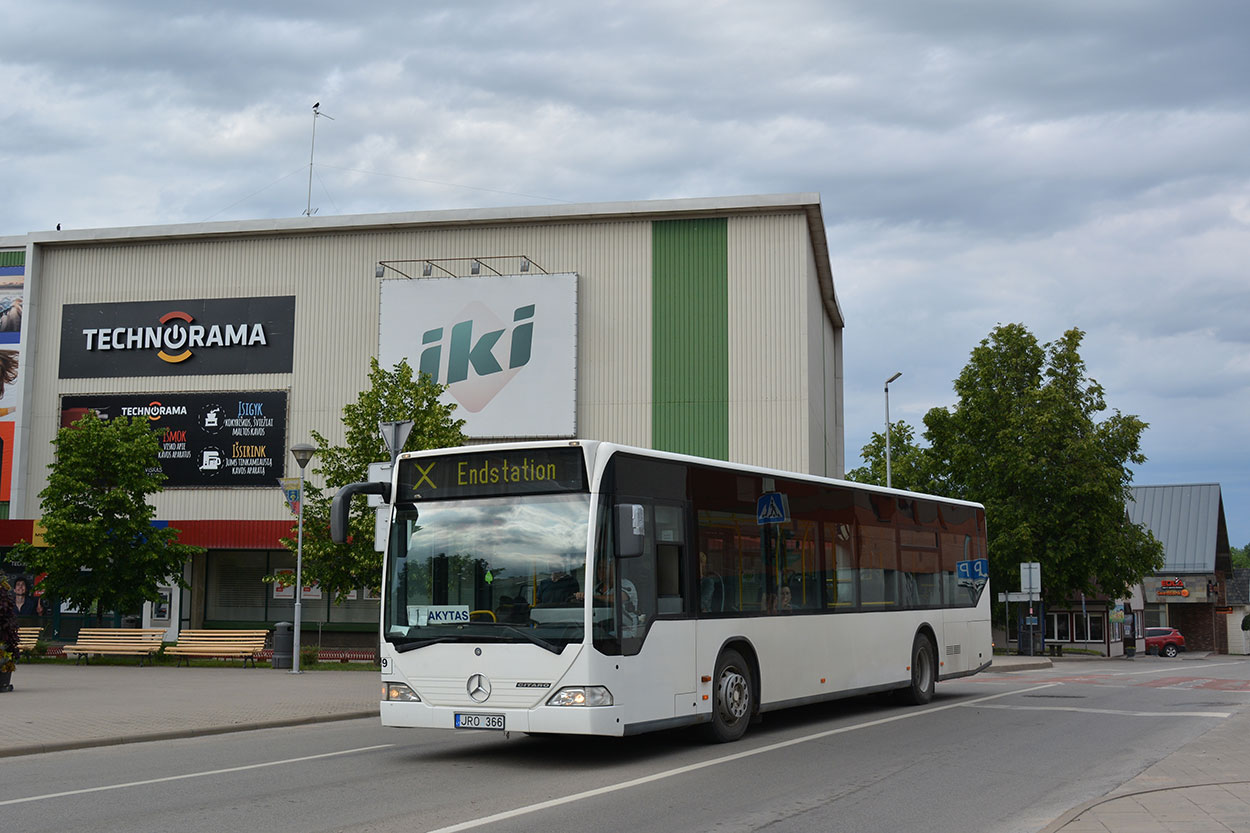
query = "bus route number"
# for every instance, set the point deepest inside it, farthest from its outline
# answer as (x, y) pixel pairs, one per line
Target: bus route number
(479, 721)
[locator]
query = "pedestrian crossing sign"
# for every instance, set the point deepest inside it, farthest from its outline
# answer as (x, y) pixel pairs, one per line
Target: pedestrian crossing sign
(772, 508)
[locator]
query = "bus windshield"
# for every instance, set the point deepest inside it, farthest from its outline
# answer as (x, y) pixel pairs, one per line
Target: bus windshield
(488, 569)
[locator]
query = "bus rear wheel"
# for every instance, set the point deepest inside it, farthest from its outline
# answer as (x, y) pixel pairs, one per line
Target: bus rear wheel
(733, 698)
(923, 671)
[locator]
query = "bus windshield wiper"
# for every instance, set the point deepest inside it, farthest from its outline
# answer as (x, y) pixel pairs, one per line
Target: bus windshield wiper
(412, 643)
(537, 640)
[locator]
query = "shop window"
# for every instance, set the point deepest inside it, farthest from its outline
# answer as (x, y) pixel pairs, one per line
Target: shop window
(235, 590)
(1089, 627)
(1057, 627)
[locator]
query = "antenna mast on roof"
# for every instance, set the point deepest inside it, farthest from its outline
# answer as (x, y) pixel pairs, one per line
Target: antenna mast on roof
(316, 112)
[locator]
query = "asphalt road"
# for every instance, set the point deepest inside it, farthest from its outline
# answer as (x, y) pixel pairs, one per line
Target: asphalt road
(993, 753)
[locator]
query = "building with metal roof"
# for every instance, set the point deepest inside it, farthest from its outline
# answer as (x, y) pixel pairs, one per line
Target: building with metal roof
(1188, 593)
(707, 326)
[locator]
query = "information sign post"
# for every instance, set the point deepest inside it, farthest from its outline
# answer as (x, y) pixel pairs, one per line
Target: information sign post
(1030, 626)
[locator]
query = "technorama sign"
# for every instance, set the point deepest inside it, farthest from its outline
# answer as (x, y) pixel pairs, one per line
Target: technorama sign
(505, 346)
(178, 338)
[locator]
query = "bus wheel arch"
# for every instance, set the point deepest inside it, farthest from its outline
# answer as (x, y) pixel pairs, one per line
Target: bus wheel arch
(735, 692)
(923, 667)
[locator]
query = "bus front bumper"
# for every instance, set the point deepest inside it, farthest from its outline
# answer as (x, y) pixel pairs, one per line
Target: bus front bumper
(574, 720)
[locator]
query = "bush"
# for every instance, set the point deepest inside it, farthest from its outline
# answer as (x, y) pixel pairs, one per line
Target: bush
(309, 654)
(1245, 622)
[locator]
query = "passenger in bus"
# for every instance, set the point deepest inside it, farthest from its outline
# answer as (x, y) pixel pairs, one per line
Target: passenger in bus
(711, 588)
(780, 602)
(560, 589)
(513, 611)
(785, 599)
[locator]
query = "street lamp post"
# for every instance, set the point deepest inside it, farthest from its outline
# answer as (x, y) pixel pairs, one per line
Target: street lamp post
(303, 453)
(887, 426)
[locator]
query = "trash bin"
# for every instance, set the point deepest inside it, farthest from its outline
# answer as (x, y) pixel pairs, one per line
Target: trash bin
(283, 644)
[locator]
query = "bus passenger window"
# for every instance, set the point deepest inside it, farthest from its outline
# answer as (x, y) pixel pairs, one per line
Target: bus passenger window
(668, 579)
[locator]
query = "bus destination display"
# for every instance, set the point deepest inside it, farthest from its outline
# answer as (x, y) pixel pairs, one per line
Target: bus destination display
(489, 474)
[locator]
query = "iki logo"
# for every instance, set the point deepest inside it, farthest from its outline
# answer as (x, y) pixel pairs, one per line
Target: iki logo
(470, 356)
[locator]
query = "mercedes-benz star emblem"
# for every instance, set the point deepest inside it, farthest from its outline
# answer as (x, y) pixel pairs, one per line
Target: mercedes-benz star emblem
(478, 688)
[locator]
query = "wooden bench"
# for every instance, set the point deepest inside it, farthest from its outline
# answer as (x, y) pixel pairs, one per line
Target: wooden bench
(27, 637)
(234, 644)
(140, 642)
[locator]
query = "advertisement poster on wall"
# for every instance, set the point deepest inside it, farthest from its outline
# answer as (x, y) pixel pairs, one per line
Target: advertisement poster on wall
(207, 439)
(178, 338)
(506, 346)
(12, 291)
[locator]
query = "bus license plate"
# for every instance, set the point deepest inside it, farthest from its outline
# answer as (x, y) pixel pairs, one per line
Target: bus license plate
(479, 721)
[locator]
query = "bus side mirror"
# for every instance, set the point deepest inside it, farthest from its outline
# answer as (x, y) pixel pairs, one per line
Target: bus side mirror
(631, 529)
(341, 506)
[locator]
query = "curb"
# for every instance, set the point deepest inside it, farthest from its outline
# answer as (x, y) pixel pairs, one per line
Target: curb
(1076, 812)
(1027, 665)
(172, 734)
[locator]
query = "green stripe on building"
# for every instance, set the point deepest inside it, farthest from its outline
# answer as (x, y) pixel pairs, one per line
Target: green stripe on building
(690, 336)
(13, 258)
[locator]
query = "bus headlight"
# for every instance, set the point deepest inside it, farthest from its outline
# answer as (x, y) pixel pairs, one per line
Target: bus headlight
(590, 695)
(398, 692)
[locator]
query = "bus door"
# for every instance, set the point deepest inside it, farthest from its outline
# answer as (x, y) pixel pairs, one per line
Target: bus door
(655, 609)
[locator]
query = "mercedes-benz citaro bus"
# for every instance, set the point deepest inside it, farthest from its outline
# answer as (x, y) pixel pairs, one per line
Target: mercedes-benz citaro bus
(582, 587)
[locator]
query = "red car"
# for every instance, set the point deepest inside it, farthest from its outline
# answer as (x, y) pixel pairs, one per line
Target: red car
(1167, 642)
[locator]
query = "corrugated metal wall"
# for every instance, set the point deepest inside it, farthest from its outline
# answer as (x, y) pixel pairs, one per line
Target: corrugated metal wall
(771, 351)
(336, 324)
(701, 335)
(690, 337)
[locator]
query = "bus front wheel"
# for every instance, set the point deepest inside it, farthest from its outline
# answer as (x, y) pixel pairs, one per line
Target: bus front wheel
(733, 698)
(923, 671)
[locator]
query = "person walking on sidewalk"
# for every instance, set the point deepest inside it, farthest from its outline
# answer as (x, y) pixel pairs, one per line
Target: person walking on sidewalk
(1130, 632)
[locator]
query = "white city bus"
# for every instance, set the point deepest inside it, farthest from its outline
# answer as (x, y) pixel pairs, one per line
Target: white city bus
(584, 587)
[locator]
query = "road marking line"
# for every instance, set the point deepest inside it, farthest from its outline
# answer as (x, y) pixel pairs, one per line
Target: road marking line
(1168, 667)
(737, 756)
(1106, 711)
(188, 775)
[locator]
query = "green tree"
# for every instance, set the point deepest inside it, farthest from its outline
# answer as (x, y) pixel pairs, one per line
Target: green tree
(1025, 439)
(910, 466)
(392, 395)
(1240, 556)
(102, 553)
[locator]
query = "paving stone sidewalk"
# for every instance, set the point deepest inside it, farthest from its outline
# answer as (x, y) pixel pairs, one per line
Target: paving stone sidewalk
(56, 707)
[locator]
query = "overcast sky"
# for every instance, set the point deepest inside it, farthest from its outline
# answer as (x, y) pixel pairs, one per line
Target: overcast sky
(1059, 164)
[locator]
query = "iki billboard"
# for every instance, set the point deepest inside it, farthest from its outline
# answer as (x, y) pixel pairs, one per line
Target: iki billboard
(505, 346)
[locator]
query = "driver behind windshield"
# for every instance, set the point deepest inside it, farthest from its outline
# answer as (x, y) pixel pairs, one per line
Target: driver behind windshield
(560, 589)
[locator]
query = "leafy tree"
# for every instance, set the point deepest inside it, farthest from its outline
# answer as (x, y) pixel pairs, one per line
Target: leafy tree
(1240, 556)
(1025, 440)
(392, 395)
(8, 628)
(910, 465)
(102, 552)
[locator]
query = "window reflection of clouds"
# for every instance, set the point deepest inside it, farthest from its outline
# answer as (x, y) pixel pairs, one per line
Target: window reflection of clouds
(542, 535)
